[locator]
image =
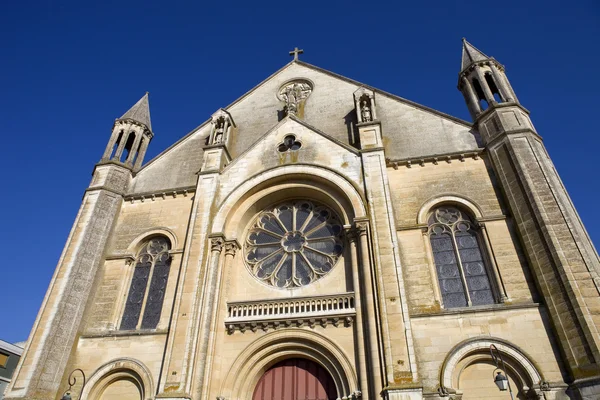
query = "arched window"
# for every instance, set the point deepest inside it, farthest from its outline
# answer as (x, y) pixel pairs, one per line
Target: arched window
(459, 262)
(144, 302)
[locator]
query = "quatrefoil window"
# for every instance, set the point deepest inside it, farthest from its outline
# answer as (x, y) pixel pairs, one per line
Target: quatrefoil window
(289, 144)
(293, 244)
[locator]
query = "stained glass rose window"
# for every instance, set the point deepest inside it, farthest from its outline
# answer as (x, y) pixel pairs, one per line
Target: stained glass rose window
(293, 244)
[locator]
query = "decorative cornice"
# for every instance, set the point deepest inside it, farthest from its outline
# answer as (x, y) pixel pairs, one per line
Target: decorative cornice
(160, 195)
(434, 159)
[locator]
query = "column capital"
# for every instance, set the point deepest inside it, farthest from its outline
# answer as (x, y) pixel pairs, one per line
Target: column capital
(361, 226)
(231, 247)
(350, 233)
(216, 243)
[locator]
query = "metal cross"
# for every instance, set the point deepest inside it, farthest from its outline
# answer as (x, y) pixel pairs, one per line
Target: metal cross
(295, 53)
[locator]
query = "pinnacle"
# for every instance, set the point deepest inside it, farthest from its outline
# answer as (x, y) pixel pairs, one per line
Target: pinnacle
(470, 54)
(140, 112)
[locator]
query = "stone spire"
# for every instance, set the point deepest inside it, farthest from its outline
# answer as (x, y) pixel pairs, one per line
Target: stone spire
(471, 54)
(140, 112)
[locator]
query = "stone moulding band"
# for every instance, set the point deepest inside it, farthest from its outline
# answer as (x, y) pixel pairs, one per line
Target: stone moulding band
(152, 196)
(333, 310)
(434, 159)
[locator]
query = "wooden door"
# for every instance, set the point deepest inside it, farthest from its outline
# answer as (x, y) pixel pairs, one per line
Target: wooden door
(296, 379)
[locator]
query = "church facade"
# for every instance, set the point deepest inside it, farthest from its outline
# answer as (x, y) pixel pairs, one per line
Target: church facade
(322, 239)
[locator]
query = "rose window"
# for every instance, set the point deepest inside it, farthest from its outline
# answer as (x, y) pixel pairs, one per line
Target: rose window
(293, 244)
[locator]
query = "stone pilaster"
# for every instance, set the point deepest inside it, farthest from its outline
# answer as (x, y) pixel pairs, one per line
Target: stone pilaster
(390, 301)
(200, 261)
(208, 330)
(42, 366)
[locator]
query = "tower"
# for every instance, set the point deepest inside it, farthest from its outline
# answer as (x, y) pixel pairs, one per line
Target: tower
(559, 251)
(62, 314)
(130, 137)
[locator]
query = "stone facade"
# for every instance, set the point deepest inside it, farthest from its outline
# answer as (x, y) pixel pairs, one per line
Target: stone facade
(372, 172)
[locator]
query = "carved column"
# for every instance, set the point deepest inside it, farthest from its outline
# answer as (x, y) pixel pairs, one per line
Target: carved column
(370, 306)
(122, 141)
(501, 83)
(230, 248)
(352, 236)
(472, 101)
(134, 148)
(489, 96)
(143, 147)
(216, 247)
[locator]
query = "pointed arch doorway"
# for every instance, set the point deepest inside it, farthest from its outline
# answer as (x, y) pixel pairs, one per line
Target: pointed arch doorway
(296, 379)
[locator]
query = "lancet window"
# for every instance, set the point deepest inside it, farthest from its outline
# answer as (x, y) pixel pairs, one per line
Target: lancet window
(462, 273)
(147, 291)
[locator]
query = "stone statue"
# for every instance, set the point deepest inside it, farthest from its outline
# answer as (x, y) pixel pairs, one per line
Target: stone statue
(365, 112)
(219, 131)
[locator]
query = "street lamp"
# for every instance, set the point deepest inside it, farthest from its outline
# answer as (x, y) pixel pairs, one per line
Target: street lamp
(72, 381)
(500, 380)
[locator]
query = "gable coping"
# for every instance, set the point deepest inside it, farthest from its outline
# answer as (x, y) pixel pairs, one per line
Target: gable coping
(327, 72)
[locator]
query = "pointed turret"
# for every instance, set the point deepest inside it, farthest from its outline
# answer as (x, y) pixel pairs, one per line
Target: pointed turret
(131, 135)
(471, 54)
(482, 81)
(140, 112)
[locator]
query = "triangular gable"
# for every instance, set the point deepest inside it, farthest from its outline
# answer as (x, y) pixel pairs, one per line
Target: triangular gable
(317, 148)
(409, 129)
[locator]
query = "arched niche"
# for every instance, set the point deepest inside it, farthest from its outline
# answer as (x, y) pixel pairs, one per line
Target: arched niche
(126, 376)
(471, 360)
(267, 351)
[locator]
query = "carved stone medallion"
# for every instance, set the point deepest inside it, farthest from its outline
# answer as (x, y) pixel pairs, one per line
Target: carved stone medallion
(294, 94)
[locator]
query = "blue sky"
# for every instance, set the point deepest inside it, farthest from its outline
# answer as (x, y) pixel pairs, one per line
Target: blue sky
(69, 68)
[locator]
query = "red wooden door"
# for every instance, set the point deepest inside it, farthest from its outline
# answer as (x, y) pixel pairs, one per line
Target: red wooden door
(296, 379)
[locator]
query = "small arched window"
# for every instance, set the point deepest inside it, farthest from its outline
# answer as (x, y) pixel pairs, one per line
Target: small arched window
(147, 290)
(459, 262)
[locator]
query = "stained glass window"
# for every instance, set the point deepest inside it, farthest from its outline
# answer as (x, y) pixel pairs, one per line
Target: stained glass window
(461, 270)
(152, 264)
(293, 244)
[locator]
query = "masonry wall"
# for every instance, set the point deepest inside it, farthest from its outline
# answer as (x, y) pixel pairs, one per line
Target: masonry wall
(100, 340)
(520, 320)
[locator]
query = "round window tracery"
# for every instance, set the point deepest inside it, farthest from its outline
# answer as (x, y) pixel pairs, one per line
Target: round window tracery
(293, 244)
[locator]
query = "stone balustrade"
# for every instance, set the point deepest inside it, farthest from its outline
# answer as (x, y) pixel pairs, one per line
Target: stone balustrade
(301, 311)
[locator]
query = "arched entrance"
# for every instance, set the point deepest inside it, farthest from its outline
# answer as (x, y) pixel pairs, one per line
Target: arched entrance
(296, 379)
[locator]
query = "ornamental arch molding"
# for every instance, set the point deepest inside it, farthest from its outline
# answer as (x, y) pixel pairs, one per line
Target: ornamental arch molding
(120, 369)
(282, 183)
(136, 243)
(478, 349)
(469, 204)
(277, 346)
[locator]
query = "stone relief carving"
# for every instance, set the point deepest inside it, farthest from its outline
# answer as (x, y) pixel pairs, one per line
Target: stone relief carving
(293, 94)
